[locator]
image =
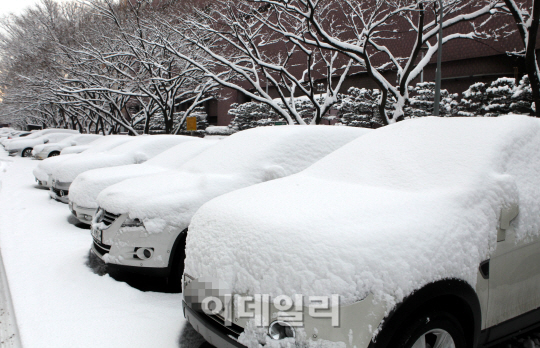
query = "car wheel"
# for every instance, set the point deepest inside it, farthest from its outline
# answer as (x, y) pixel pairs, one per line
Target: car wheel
(177, 266)
(433, 329)
(54, 153)
(27, 152)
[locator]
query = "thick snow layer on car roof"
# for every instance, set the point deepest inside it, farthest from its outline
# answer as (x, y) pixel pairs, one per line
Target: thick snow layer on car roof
(138, 150)
(404, 206)
(86, 187)
(243, 159)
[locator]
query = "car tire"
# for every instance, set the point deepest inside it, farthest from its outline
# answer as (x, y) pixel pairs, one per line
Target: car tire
(177, 265)
(54, 153)
(26, 152)
(432, 329)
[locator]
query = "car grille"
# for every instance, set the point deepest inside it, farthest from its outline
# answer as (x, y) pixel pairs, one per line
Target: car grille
(233, 329)
(60, 193)
(109, 218)
(101, 248)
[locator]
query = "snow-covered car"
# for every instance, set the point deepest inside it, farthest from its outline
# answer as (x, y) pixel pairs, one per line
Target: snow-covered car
(86, 187)
(23, 147)
(53, 149)
(425, 233)
(136, 151)
(75, 149)
(13, 135)
(141, 223)
(43, 171)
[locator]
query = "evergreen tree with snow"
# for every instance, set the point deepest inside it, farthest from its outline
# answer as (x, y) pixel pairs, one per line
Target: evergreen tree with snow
(474, 100)
(499, 95)
(522, 98)
(360, 108)
(421, 103)
(251, 115)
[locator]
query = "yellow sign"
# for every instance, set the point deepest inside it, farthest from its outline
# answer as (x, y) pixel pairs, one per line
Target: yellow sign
(191, 123)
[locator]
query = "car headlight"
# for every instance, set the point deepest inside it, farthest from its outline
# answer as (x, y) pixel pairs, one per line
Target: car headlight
(132, 223)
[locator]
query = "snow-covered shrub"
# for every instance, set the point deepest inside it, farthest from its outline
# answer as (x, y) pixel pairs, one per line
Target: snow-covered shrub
(522, 97)
(254, 114)
(251, 115)
(360, 108)
(201, 116)
(499, 95)
(474, 100)
(421, 102)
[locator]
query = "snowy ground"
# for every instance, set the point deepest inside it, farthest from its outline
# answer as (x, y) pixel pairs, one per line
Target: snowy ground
(60, 302)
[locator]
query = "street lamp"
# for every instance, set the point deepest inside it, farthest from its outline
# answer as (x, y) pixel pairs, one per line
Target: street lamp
(439, 58)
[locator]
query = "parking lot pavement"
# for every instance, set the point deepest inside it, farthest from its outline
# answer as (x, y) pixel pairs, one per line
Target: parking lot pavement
(58, 300)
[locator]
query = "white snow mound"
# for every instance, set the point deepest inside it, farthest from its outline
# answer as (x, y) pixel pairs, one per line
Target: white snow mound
(87, 186)
(242, 159)
(135, 151)
(404, 206)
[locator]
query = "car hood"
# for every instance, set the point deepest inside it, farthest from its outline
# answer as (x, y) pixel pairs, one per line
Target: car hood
(67, 171)
(46, 167)
(169, 198)
(408, 205)
(86, 187)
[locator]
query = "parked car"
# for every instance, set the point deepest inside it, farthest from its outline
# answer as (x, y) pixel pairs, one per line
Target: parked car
(136, 151)
(141, 224)
(43, 171)
(23, 147)
(53, 149)
(75, 149)
(422, 234)
(86, 187)
(13, 135)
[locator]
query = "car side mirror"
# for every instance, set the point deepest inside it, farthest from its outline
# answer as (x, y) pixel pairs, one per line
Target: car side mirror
(140, 157)
(508, 214)
(45, 141)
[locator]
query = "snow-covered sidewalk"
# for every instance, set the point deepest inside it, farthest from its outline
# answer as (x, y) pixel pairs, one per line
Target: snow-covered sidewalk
(58, 300)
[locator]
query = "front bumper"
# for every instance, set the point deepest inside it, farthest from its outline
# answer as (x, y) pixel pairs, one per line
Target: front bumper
(84, 215)
(60, 191)
(43, 183)
(212, 332)
(13, 152)
(352, 326)
(41, 156)
(117, 245)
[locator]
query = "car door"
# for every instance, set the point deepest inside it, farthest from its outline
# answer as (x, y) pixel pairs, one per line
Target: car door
(514, 277)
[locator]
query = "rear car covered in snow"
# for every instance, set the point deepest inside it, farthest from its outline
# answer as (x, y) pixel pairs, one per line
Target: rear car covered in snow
(85, 189)
(23, 146)
(138, 150)
(43, 171)
(141, 224)
(425, 233)
(52, 149)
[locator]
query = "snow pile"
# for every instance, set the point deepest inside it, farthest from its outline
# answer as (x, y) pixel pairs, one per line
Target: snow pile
(401, 207)
(67, 142)
(136, 150)
(215, 130)
(46, 167)
(86, 187)
(242, 159)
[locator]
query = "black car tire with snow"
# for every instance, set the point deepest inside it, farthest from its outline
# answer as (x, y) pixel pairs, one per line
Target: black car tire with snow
(436, 328)
(27, 152)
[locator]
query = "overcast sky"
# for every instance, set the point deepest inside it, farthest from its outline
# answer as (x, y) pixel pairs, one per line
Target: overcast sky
(14, 6)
